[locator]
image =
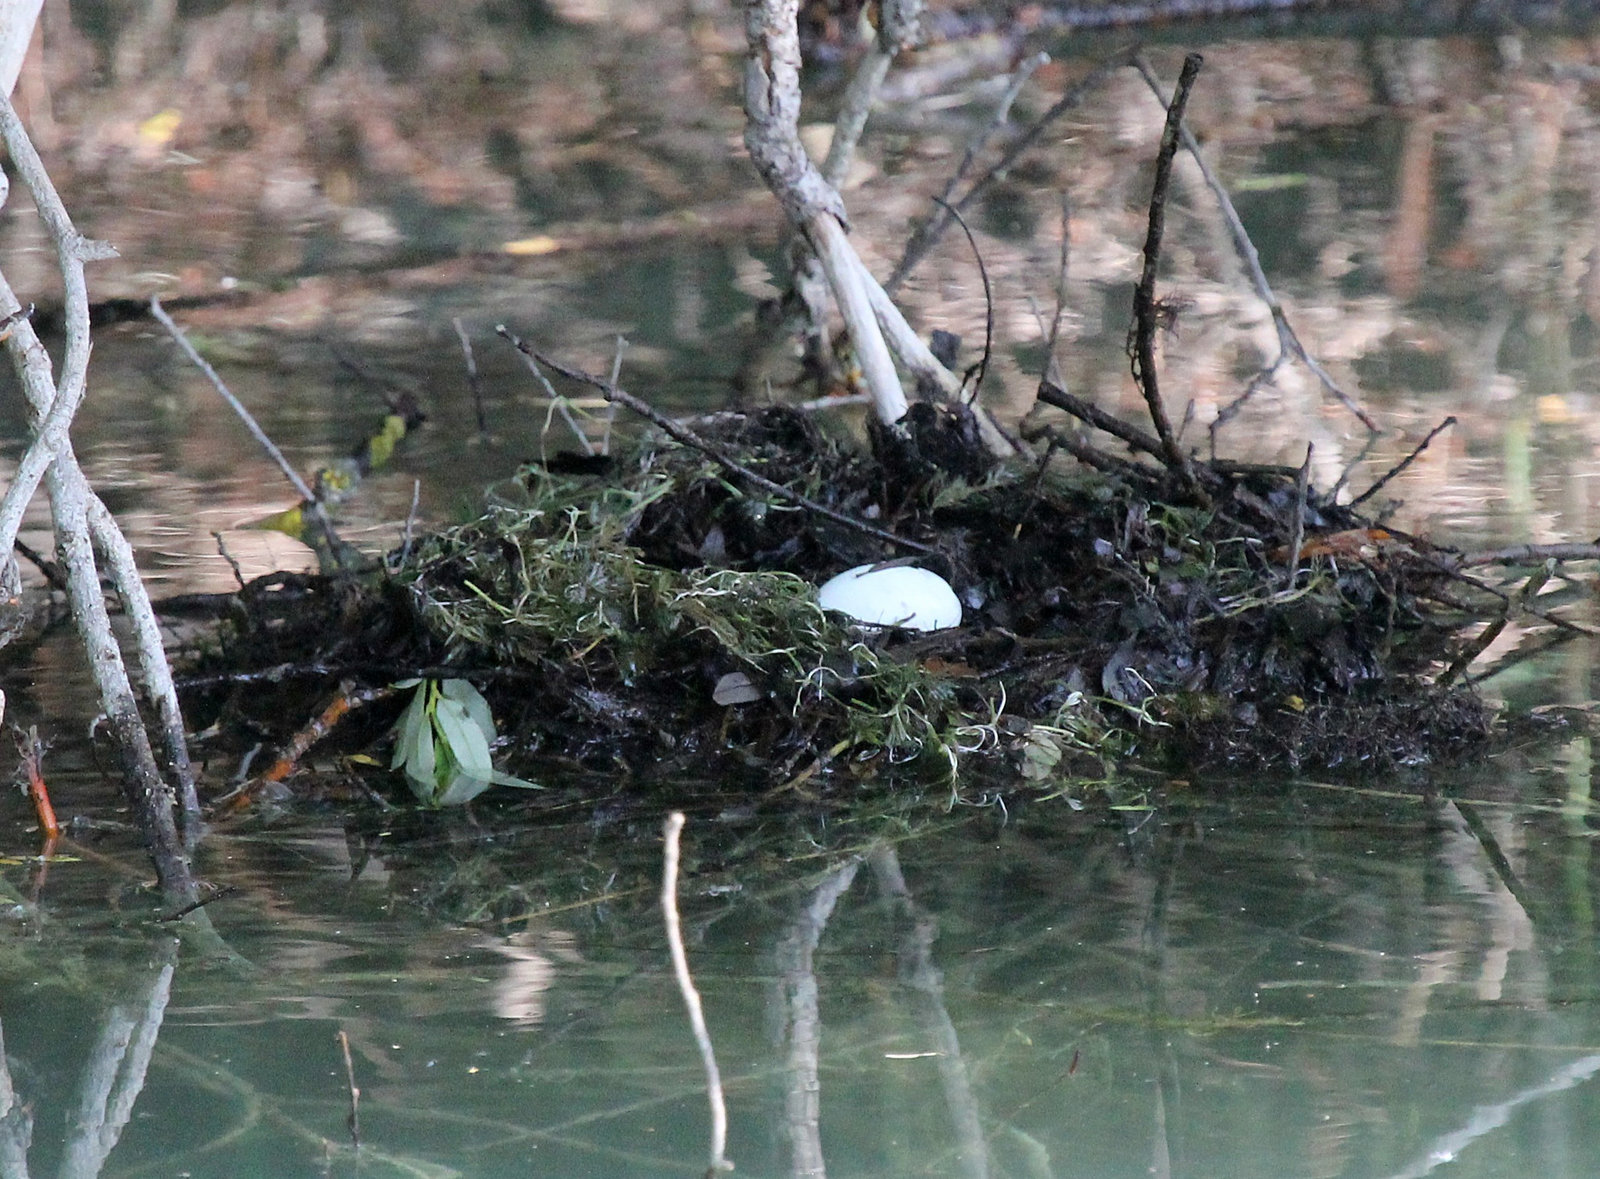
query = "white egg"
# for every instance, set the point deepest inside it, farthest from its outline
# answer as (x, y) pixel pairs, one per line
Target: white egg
(899, 595)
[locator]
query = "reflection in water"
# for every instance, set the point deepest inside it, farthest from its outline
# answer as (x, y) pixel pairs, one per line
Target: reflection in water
(1329, 983)
(112, 1080)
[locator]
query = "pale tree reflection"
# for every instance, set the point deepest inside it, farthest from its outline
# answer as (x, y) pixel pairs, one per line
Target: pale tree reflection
(923, 981)
(798, 980)
(112, 1080)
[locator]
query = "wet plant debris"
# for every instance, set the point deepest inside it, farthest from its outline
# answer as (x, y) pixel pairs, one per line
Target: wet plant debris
(663, 616)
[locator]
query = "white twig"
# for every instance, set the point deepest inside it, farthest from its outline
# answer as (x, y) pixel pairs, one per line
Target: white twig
(82, 521)
(691, 997)
(611, 406)
(852, 120)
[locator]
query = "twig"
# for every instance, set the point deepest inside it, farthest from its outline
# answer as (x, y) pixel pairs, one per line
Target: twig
(853, 111)
(1088, 412)
(689, 438)
(222, 550)
(302, 488)
(178, 914)
(558, 403)
(1288, 340)
(975, 374)
(1399, 467)
(47, 568)
(474, 381)
(352, 1120)
(1529, 591)
(1532, 554)
(611, 406)
(691, 997)
(1302, 490)
(1146, 314)
(409, 532)
(927, 235)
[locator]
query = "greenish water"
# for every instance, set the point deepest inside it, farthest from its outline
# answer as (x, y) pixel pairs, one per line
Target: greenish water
(1297, 981)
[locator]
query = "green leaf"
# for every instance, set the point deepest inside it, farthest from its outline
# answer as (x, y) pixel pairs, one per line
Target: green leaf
(421, 766)
(412, 723)
(500, 779)
(468, 745)
(472, 700)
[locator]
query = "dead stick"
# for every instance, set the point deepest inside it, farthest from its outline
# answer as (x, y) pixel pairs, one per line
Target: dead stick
(691, 997)
(1302, 491)
(692, 440)
(318, 513)
(1530, 589)
(353, 1119)
(1146, 315)
(1288, 340)
(1101, 461)
(474, 381)
(1052, 394)
(1403, 463)
(1532, 554)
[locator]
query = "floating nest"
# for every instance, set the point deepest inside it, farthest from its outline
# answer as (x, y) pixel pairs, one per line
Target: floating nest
(660, 614)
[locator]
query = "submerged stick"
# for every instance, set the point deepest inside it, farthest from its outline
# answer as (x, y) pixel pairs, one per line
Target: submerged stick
(1146, 312)
(692, 440)
(691, 997)
(352, 1120)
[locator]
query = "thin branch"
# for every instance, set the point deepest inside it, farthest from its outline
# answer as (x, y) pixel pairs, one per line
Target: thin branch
(691, 997)
(1529, 591)
(558, 402)
(1533, 554)
(474, 381)
(1288, 341)
(308, 497)
(1399, 467)
(1142, 345)
(1093, 415)
(689, 438)
(976, 374)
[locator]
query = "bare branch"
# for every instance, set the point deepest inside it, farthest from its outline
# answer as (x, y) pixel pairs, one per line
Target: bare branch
(691, 997)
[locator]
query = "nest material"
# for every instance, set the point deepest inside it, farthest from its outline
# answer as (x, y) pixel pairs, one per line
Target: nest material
(1106, 613)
